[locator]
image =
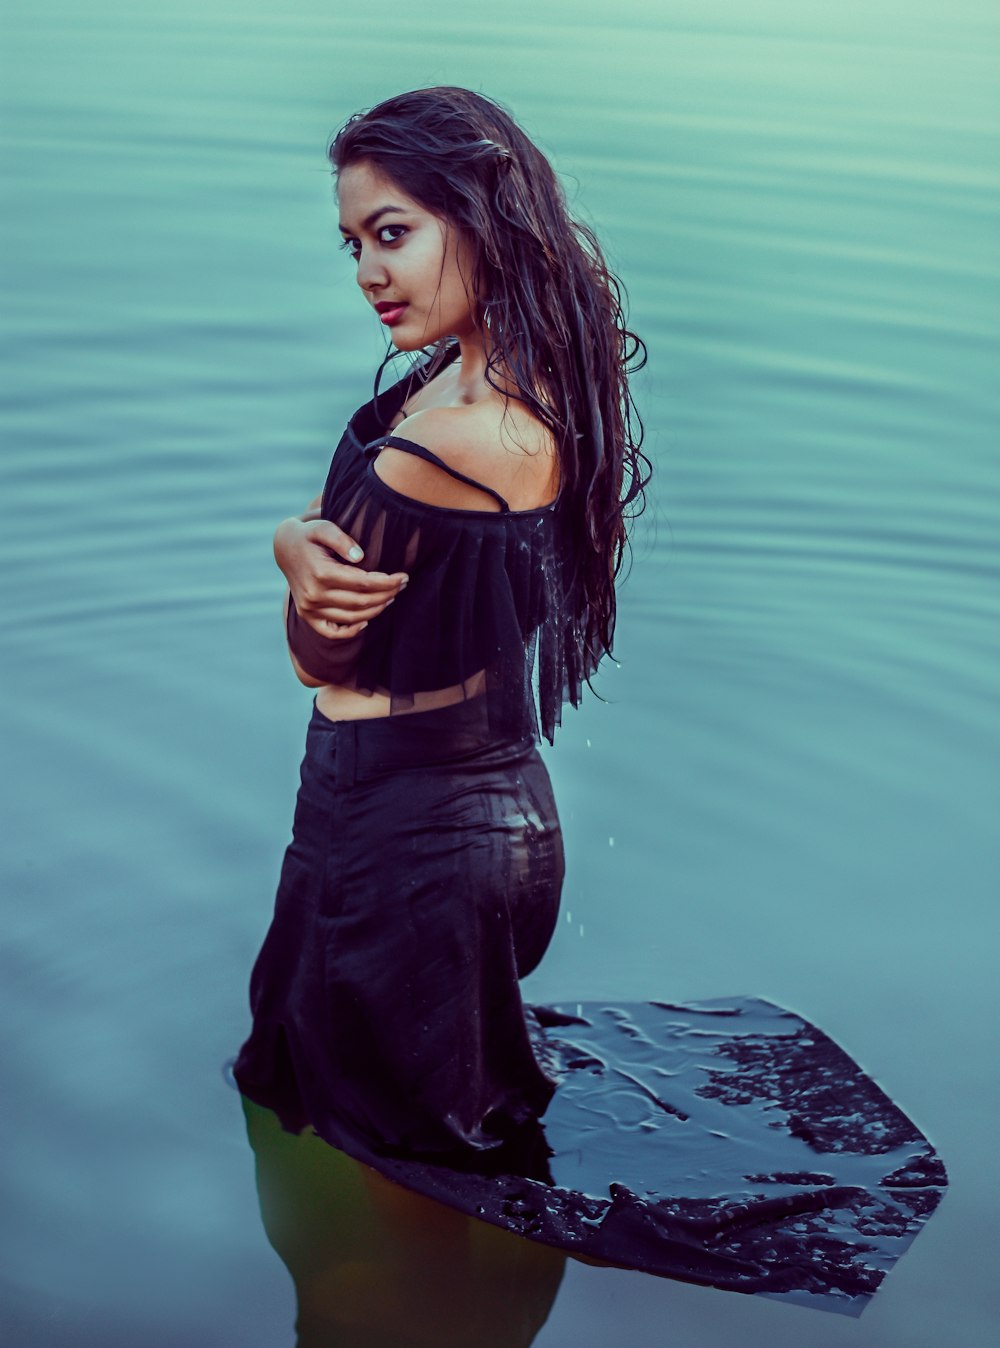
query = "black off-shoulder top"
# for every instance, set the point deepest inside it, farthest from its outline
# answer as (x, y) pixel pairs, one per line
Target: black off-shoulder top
(489, 610)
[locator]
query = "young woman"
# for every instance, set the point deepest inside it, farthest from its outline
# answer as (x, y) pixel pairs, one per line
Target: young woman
(450, 589)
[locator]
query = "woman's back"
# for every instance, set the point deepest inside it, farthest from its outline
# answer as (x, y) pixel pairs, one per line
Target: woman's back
(487, 575)
(493, 440)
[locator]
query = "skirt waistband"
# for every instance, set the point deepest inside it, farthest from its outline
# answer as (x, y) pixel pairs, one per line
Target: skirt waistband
(445, 736)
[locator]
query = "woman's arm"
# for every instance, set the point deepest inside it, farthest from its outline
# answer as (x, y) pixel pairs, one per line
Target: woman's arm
(329, 601)
(301, 674)
(335, 597)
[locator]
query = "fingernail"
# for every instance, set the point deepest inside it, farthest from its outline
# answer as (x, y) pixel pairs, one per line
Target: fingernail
(404, 582)
(355, 554)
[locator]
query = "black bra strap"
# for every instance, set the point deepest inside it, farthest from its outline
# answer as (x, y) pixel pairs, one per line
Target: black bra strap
(422, 452)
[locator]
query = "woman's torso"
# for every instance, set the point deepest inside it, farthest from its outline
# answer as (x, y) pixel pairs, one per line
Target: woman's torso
(527, 479)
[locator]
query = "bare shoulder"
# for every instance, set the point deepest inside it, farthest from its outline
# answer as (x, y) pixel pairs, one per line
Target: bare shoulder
(503, 447)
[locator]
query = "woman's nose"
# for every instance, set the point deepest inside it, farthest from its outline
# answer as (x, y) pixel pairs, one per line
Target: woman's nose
(371, 274)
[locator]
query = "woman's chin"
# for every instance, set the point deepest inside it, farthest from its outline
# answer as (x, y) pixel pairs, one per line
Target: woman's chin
(408, 337)
(404, 341)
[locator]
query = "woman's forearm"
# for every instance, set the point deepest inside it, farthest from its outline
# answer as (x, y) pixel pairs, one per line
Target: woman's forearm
(302, 675)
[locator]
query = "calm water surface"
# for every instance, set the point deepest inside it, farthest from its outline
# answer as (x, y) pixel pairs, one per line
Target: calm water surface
(792, 789)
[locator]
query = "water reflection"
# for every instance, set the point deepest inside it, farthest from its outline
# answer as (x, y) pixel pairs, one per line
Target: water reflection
(375, 1264)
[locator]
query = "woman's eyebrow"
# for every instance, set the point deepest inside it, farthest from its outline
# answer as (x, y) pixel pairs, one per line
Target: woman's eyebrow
(369, 221)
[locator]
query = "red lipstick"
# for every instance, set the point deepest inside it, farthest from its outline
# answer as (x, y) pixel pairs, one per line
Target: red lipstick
(390, 312)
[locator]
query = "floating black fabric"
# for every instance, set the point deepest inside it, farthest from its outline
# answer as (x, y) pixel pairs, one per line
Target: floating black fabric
(728, 1143)
(490, 592)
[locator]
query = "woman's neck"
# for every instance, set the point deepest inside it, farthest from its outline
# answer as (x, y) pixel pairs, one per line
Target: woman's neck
(471, 383)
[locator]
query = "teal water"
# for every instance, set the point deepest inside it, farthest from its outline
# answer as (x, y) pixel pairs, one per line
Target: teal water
(792, 789)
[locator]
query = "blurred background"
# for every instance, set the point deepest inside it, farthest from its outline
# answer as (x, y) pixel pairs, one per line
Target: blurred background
(791, 789)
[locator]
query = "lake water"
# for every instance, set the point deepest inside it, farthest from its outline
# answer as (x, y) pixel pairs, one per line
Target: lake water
(792, 788)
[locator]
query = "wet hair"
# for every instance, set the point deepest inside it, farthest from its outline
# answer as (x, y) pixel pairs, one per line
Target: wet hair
(554, 311)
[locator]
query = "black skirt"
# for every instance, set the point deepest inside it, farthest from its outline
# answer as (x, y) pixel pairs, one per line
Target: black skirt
(422, 881)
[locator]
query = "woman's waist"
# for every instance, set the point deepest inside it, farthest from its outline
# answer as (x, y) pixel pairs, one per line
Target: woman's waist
(393, 735)
(340, 702)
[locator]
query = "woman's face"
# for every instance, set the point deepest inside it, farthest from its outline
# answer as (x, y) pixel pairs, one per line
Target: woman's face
(412, 268)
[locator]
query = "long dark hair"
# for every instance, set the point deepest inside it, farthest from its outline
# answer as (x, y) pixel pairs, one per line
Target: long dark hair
(554, 311)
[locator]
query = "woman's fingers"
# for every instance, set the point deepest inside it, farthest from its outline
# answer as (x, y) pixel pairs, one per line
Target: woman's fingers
(333, 538)
(337, 631)
(345, 605)
(343, 614)
(370, 586)
(347, 594)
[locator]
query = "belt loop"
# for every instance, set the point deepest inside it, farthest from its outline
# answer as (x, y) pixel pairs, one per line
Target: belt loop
(345, 763)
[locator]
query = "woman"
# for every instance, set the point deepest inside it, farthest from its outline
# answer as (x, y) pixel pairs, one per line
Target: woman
(451, 587)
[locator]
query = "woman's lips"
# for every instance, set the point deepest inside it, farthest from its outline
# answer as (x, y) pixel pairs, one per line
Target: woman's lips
(390, 313)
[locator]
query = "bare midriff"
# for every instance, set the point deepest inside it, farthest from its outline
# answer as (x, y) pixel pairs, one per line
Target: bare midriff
(337, 703)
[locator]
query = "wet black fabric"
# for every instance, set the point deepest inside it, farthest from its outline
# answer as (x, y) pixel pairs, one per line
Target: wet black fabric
(421, 883)
(728, 1143)
(491, 608)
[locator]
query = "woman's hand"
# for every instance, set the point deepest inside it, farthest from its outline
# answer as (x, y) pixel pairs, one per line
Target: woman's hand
(334, 595)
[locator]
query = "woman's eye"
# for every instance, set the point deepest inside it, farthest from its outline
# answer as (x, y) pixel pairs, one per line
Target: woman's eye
(387, 235)
(394, 232)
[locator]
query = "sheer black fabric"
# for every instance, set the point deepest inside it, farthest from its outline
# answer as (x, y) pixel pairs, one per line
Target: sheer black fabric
(490, 609)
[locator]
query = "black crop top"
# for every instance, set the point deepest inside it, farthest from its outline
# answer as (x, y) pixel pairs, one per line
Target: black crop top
(488, 609)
